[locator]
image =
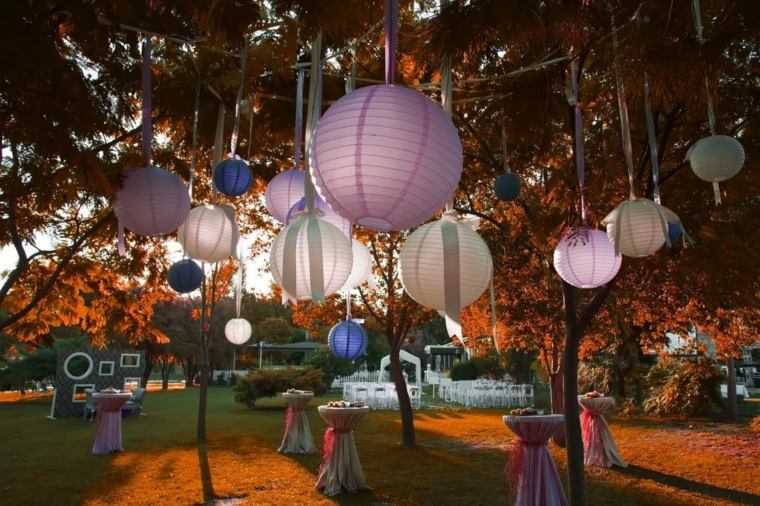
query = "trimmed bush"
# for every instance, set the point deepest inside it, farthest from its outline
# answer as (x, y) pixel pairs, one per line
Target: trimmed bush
(683, 388)
(268, 383)
(477, 368)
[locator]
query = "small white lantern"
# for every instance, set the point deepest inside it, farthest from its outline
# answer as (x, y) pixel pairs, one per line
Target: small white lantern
(586, 258)
(637, 228)
(283, 191)
(238, 331)
(310, 259)
(210, 233)
(361, 269)
(716, 158)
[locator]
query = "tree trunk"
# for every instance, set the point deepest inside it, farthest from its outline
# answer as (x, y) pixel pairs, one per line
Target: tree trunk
(150, 363)
(557, 392)
(166, 369)
(731, 409)
(404, 403)
(202, 398)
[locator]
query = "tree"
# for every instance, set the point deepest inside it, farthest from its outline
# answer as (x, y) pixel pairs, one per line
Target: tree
(275, 330)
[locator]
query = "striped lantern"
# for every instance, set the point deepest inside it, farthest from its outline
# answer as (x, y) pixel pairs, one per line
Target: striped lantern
(310, 259)
(637, 228)
(361, 269)
(585, 258)
(445, 265)
(210, 233)
(347, 340)
(238, 331)
(233, 177)
(716, 158)
(283, 191)
(386, 157)
(185, 276)
(326, 211)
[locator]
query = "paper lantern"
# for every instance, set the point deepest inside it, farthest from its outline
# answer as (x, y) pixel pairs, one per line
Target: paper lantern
(210, 233)
(238, 331)
(326, 211)
(232, 177)
(674, 232)
(716, 158)
(347, 340)
(185, 276)
(361, 269)
(637, 228)
(507, 186)
(437, 274)
(151, 202)
(310, 259)
(386, 157)
(283, 191)
(586, 258)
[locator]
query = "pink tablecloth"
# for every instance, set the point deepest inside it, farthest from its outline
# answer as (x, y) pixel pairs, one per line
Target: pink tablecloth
(599, 448)
(340, 467)
(531, 470)
(108, 422)
(297, 438)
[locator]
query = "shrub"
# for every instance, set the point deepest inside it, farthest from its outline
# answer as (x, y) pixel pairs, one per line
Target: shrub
(683, 387)
(330, 365)
(754, 425)
(488, 366)
(268, 383)
(593, 376)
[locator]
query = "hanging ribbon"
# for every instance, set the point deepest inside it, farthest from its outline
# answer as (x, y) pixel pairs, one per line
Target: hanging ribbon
(251, 103)
(348, 285)
(236, 125)
(579, 158)
(313, 113)
(299, 119)
(652, 140)
(446, 98)
(290, 274)
(316, 265)
(451, 275)
(391, 40)
(351, 79)
(239, 288)
(504, 152)
(218, 142)
(492, 300)
(625, 127)
(290, 264)
(196, 106)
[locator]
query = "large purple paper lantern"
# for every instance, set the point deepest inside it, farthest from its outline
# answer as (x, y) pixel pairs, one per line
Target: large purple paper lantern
(283, 191)
(326, 211)
(347, 340)
(386, 157)
(151, 202)
(586, 258)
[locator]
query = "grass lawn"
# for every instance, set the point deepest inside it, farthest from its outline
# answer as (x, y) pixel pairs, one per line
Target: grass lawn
(460, 459)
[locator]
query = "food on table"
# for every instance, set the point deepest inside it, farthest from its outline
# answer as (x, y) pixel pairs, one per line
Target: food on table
(529, 411)
(346, 404)
(295, 391)
(594, 394)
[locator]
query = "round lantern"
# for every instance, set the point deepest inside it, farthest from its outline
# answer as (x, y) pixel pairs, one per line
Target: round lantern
(507, 186)
(637, 228)
(326, 211)
(210, 233)
(233, 177)
(675, 228)
(347, 340)
(310, 259)
(151, 202)
(185, 276)
(443, 264)
(386, 157)
(283, 191)
(716, 158)
(361, 270)
(238, 330)
(586, 258)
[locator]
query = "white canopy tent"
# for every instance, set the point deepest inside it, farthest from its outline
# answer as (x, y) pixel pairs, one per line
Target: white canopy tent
(405, 356)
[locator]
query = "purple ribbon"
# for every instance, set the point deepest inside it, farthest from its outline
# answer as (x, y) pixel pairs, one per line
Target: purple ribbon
(579, 158)
(391, 39)
(299, 119)
(147, 125)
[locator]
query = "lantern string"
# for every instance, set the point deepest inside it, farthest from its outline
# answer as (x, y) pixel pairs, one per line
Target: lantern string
(196, 106)
(625, 127)
(391, 40)
(348, 284)
(316, 274)
(492, 300)
(290, 264)
(251, 102)
(239, 98)
(652, 140)
(147, 122)
(218, 143)
(451, 275)
(446, 100)
(299, 119)
(313, 113)
(239, 287)
(504, 152)
(579, 158)
(351, 79)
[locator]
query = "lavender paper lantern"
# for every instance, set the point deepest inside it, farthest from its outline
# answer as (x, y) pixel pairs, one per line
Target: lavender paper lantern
(185, 276)
(238, 331)
(385, 157)
(233, 177)
(716, 158)
(283, 191)
(347, 340)
(151, 202)
(326, 211)
(586, 258)
(210, 233)
(637, 228)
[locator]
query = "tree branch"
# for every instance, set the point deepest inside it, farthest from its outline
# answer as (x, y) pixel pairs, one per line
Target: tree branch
(583, 321)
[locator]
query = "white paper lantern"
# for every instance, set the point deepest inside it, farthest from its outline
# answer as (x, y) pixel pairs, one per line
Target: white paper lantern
(386, 157)
(283, 191)
(210, 233)
(716, 158)
(325, 212)
(586, 258)
(306, 248)
(637, 228)
(238, 331)
(423, 262)
(361, 269)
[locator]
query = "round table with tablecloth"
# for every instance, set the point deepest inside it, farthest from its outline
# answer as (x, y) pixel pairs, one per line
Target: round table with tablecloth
(108, 421)
(599, 449)
(297, 437)
(340, 469)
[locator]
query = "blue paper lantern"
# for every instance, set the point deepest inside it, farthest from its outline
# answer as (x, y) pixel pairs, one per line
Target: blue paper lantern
(347, 340)
(674, 232)
(507, 186)
(185, 276)
(232, 177)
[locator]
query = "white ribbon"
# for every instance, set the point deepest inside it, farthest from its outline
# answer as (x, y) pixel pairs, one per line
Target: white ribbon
(451, 275)
(313, 113)
(290, 272)
(218, 142)
(234, 136)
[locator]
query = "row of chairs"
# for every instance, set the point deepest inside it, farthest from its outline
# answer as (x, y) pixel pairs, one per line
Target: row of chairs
(380, 395)
(486, 395)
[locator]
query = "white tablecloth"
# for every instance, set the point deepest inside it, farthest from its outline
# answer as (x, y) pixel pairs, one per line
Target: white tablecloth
(340, 467)
(108, 422)
(599, 449)
(297, 437)
(740, 390)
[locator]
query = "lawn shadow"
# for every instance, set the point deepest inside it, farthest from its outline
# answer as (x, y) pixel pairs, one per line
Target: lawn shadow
(209, 496)
(689, 485)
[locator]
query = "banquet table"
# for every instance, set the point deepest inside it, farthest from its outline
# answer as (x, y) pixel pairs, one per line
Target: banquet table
(531, 470)
(599, 449)
(340, 467)
(108, 422)
(297, 437)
